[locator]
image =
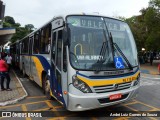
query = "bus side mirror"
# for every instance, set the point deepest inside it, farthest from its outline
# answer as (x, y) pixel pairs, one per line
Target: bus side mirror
(65, 37)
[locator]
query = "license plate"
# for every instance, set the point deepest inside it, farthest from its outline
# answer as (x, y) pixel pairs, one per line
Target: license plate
(115, 96)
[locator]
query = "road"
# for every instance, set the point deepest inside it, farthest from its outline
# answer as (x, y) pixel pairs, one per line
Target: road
(147, 100)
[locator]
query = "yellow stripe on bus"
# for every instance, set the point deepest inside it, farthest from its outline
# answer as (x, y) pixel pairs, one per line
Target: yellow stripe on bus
(39, 67)
(99, 82)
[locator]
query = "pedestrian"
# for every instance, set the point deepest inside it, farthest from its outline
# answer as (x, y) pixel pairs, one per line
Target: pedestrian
(4, 74)
(9, 61)
(151, 57)
(48, 46)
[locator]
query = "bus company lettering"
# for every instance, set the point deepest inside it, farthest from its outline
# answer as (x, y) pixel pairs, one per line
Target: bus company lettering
(112, 26)
(99, 24)
(129, 79)
(92, 24)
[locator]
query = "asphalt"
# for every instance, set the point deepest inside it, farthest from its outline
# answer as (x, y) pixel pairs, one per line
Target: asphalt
(18, 91)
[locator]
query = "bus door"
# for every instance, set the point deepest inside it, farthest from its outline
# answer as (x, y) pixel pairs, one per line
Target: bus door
(57, 62)
(17, 55)
(31, 63)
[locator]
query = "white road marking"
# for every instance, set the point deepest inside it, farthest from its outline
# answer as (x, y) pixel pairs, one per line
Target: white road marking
(151, 77)
(149, 81)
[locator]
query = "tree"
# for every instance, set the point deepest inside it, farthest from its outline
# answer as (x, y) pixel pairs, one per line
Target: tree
(152, 21)
(138, 28)
(21, 32)
(29, 27)
(145, 27)
(9, 20)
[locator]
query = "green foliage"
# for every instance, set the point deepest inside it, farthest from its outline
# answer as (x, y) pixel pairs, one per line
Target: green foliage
(6, 25)
(139, 30)
(9, 19)
(155, 3)
(20, 31)
(150, 19)
(146, 27)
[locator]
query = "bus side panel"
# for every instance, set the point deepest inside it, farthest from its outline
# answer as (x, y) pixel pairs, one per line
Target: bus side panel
(27, 64)
(20, 63)
(41, 64)
(65, 76)
(37, 69)
(24, 63)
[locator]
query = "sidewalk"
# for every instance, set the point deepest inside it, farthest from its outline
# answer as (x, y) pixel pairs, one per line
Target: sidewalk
(18, 92)
(150, 69)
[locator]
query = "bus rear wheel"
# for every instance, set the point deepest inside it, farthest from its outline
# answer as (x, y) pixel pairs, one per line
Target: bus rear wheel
(46, 87)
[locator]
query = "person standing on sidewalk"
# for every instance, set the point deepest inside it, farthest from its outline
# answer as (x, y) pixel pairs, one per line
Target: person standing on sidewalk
(151, 57)
(4, 74)
(9, 61)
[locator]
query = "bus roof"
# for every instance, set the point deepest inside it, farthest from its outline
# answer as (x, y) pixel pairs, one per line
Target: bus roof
(63, 16)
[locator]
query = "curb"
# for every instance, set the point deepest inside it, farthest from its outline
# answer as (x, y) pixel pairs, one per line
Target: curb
(18, 99)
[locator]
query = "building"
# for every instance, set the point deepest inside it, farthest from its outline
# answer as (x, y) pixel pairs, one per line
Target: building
(2, 10)
(5, 33)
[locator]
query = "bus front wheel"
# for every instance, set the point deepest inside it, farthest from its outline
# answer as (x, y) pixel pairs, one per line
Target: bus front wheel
(46, 87)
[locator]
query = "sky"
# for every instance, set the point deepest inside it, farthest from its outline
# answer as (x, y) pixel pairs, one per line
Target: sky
(38, 12)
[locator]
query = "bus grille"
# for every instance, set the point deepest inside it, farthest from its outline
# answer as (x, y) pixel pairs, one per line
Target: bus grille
(111, 88)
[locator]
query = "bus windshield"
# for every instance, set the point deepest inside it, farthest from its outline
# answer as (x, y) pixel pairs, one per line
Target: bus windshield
(123, 38)
(90, 47)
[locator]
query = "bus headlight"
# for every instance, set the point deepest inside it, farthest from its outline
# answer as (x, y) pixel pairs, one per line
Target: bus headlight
(77, 83)
(136, 82)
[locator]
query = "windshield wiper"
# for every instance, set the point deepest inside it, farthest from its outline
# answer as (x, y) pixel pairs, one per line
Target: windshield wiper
(102, 53)
(120, 51)
(103, 50)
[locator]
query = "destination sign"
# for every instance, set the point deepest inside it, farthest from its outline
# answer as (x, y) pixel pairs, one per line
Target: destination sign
(95, 22)
(89, 22)
(89, 57)
(92, 23)
(112, 24)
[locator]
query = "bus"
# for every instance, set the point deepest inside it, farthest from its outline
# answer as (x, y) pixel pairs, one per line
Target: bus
(84, 61)
(15, 53)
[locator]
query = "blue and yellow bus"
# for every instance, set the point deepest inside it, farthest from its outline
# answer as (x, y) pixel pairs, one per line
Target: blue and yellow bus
(83, 61)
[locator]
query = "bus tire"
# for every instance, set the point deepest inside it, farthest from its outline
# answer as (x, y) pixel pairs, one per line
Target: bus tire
(46, 87)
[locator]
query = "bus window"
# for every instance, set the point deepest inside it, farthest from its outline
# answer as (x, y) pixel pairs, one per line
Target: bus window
(45, 39)
(54, 45)
(36, 42)
(59, 49)
(48, 46)
(25, 46)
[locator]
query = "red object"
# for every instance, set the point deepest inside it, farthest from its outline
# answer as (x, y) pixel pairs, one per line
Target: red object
(159, 67)
(3, 67)
(115, 96)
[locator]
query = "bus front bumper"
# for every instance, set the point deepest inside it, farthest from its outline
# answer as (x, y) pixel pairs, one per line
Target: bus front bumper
(94, 100)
